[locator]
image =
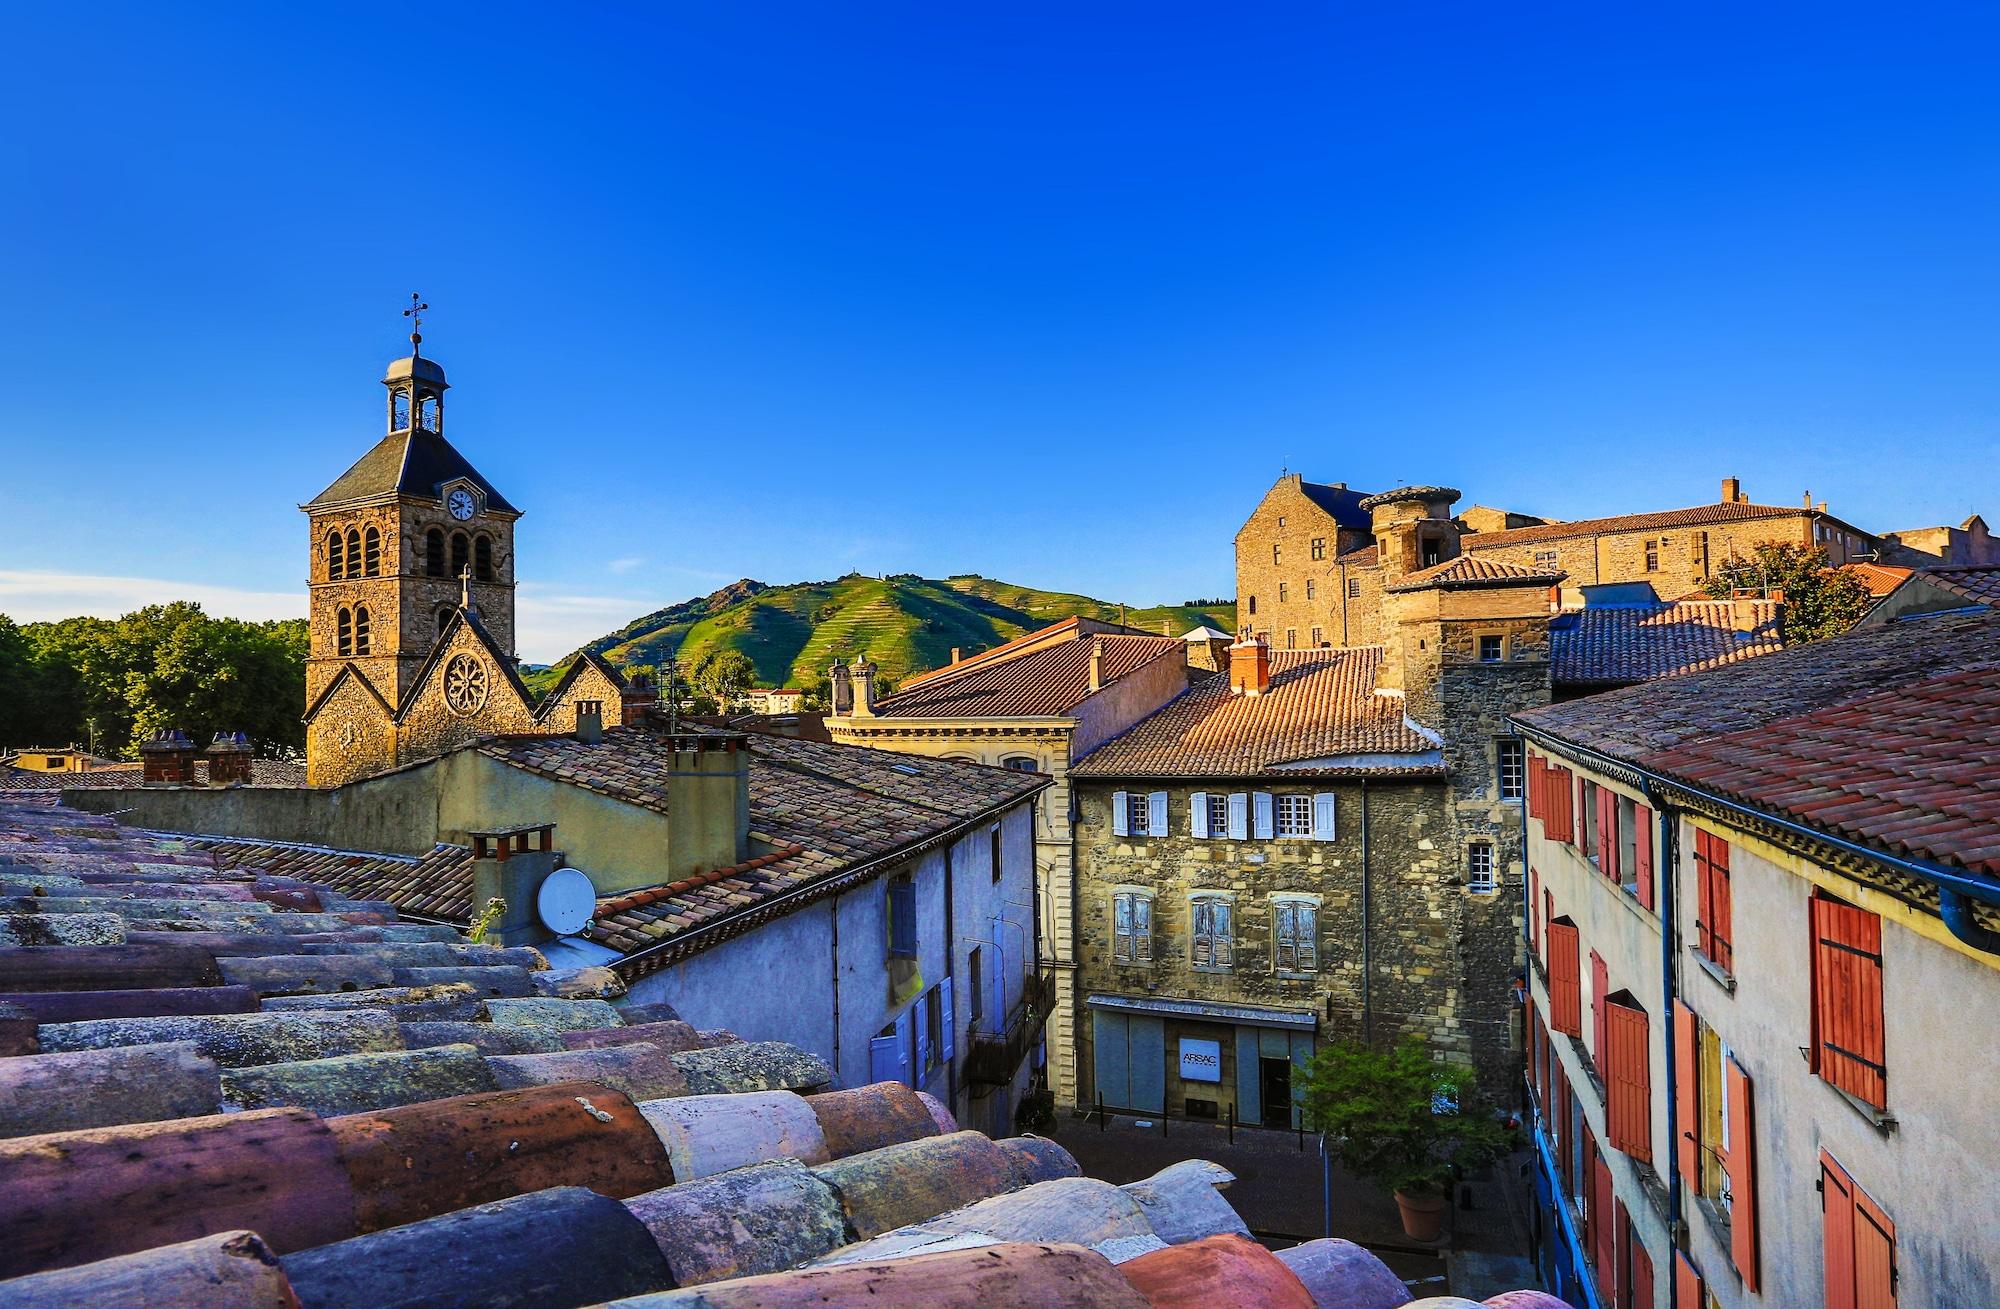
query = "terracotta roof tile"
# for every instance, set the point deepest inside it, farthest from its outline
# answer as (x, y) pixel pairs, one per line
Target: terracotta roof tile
(1979, 583)
(1623, 646)
(1321, 705)
(1468, 573)
(1044, 681)
(1880, 579)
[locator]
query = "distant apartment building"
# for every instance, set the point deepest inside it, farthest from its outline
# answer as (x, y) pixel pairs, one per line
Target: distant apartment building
(774, 700)
(1309, 569)
(1925, 547)
(1763, 912)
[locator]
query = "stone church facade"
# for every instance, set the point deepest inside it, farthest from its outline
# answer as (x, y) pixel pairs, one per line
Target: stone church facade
(412, 569)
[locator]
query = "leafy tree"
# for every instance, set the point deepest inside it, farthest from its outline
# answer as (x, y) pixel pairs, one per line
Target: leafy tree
(1819, 601)
(724, 675)
(1399, 1117)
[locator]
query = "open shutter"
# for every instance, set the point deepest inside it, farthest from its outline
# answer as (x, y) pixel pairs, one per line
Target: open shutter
(1285, 912)
(1687, 1098)
(903, 919)
(1323, 816)
(1836, 1202)
(1203, 931)
(1308, 936)
(1565, 986)
(1687, 1283)
(1119, 814)
(1534, 910)
(1600, 982)
(1239, 816)
(1628, 1081)
(1636, 1272)
(885, 1063)
(922, 1028)
(1142, 928)
(1261, 806)
(1548, 916)
(1198, 815)
(1225, 935)
(1121, 927)
(1582, 833)
(1742, 1163)
(946, 1028)
(1721, 901)
(1603, 1249)
(1874, 1255)
(1607, 833)
(1848, 1046)
(1642, 851)
(1156, 814)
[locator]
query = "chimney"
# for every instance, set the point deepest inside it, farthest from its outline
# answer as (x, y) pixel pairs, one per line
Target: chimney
(839, 688)
(229, 759)
(1808, 501)
(635, 699)
(955, 656)
(1250, 667)
(708, 806)
(590, 721)
(1732, 490)
(864, 688)
(509, 865)
(167, 759)
(1097, 663)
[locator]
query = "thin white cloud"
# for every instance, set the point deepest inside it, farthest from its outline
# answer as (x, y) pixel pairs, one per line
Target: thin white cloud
(625, 565)
(29, 596)
(550, 624)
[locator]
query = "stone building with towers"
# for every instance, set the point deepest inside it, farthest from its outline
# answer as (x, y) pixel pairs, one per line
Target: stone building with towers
(412, 571)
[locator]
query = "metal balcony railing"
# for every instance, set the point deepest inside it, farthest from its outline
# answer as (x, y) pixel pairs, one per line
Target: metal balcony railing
(994, 1057)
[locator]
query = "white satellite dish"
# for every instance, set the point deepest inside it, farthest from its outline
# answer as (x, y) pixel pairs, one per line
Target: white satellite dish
(566, 901)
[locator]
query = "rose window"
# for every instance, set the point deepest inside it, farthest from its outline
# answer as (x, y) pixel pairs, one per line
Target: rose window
(465, 684)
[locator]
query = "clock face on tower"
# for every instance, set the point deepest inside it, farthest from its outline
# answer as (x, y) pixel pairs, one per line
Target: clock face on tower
(460, 504)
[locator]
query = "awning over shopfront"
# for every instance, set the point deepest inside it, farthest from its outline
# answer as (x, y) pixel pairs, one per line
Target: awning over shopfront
(1244, 1015)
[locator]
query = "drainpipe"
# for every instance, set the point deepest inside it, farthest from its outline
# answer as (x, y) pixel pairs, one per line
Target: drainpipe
(835, 916)
(1367, 947)
(1955, 907)
(1666, 868)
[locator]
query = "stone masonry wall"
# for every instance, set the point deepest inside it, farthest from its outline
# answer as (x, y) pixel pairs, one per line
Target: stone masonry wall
(1258, 577)
(1419, 907)
(1686, 556)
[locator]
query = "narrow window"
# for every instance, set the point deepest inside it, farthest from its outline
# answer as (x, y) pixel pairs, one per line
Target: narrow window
(1479, 876)
(1354, 588)
(434, 553)
(1132, 928)
(1291, 638)
(1284, 592)
(902, 917)
(461, 551)
(1316, 641)
(1295, 815)
(336, 557)
(1277, 555)
(1319, 547)
(371, 553)
(361, 629)
(1489, 649)
(976, 965)
(353, 553)
(933, 1028)
(343, 626)
(1295, 933)
(482, 558)
(993, 853)
(1312, 589)
(1513, 767)
(1253, 604)
(1712, 900)
(1218, 814)
(1214, 943)
(1652, 556)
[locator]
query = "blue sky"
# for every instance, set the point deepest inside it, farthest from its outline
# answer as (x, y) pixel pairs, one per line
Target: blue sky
(1047, 292)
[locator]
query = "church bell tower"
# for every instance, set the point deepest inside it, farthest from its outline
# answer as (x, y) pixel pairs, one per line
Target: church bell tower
(402, 539)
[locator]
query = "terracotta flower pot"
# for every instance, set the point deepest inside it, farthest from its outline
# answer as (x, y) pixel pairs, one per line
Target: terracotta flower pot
(1423, 1215)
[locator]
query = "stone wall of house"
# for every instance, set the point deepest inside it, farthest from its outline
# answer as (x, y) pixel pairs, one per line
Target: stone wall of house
(1418, 911)
(1683, 557)
(1311, 596)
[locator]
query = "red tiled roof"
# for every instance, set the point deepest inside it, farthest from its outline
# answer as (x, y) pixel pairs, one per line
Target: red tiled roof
(265, 772)
(1915, 770)
(1979, 583)
(1880, 579)
(1467, 573)
(1623, 646)
(1044, 681)
(1365, 557)
(435, 885)
(1694, 516)
(1321, 705)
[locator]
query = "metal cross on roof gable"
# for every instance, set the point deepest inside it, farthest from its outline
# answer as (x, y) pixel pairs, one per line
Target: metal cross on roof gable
(415, 313)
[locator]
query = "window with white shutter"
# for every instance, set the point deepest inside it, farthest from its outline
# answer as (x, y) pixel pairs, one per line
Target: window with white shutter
(1295, 935)
(1214, 944)
(1295, 815)
(1156, 814)
(1324, 812)
(1198, 815)
(1238, 825)
(1121, 816)
(1261, 807)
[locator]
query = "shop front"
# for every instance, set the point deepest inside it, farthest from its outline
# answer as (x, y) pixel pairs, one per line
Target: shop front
(1188, 1059)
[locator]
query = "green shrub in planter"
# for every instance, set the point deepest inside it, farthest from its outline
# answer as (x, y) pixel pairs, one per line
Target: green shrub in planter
(1399, 1117)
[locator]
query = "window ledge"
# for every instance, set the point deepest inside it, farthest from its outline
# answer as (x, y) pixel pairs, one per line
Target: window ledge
(1882, 1121)
(1293, 975)
(1718, 1222)
(1721, 976)
(1224, 969)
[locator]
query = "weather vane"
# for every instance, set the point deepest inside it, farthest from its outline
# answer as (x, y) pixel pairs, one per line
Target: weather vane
(415, 313)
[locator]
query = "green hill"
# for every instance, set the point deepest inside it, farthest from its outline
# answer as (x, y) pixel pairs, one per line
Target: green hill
(905, 623)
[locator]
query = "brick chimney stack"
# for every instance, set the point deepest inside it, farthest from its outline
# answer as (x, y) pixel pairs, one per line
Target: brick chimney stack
(1732, 491)
(229, 759)
(1250, 667)
(167, 759)
(635, 699)
(1097, 663)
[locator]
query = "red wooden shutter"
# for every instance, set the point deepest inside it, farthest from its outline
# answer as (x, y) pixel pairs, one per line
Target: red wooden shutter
(1559, 1115)
(1859, 1240)
(1534, 908)
(1719, 904)
(1874, 1255)
(1742, 1163)
(1548, 916)
(1621, 1236)
(1848, 1047)
(1704, 909)
(1642, 851)
(1836, 1202)
(1565, 982)
(1542, 1063)
(1687, 1097)
(1628, 1082)
(1582, 833)
(1687, 1283)
(1639, 1276)
(1600, 982)
(1607, 833)
(1537, 802)
(1602, 1227)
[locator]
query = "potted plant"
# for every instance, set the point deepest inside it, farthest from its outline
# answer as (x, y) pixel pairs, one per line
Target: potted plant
(1403, 1120)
